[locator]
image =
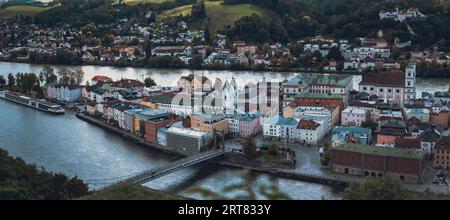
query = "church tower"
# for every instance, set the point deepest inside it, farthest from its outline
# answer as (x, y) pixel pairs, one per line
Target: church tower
(410, 81)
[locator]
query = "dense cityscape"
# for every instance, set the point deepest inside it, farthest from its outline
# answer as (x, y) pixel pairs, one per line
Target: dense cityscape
(347, 109)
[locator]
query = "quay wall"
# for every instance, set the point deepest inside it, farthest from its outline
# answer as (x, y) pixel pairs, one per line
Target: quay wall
(221, 161)
(129, 136)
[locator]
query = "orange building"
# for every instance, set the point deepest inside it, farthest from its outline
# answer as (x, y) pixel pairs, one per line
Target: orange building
(442, 118)
(209, 123)
(322, 99)
(441, 153)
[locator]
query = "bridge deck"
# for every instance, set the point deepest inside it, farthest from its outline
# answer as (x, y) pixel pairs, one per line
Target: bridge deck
(158, 172)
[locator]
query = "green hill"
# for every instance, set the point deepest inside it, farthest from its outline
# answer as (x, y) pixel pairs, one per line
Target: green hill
(222, 15)
(134, 2)
(29, 10)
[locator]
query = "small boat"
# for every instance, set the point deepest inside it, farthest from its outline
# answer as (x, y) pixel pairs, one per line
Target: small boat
(33, 103)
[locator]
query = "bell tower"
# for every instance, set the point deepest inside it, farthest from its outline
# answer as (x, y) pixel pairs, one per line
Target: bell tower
(410, 81)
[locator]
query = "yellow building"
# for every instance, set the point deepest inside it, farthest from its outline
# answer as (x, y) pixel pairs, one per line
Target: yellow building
(289, 111)
(209, 123)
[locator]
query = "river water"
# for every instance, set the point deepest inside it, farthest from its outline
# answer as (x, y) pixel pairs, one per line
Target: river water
(63, 143)
(169, 77)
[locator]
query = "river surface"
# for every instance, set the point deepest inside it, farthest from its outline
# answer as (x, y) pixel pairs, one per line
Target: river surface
(63, 143)
(169, 77)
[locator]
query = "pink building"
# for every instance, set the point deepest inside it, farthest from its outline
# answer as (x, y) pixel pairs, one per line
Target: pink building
(249, 125)
(353, 116)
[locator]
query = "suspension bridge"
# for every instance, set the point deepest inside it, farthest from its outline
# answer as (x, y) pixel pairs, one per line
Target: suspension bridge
(155, 173)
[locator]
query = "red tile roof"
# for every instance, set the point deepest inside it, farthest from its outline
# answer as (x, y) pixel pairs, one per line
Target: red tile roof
(443, 143)
(308, 124)
(393, 79)
(101, 78)
(128, 83)
(407, 142)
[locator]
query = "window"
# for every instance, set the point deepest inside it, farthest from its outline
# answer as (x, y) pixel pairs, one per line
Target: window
(381, 90)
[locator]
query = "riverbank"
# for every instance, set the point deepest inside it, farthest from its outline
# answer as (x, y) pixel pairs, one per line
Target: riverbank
(328, 178)
(205, 67)
(128, 136)
(169, 77)
(226, 161)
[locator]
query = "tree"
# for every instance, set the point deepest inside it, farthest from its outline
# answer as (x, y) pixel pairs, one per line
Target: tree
(78, 76)
(197, 61)
(249, 149)
(369, 123)
(108, 40)
(334, 53)
(22, 181)
(207, 34)
(148, 48)
(149, 82)
(245, 188)
(64, 75)
(52, 79)
(273, 149)
(11, 80)
(375, 188)
(137, 52)
(47, 75)
(19, 80)
(29, 80)
(2, 81)
(198, 10)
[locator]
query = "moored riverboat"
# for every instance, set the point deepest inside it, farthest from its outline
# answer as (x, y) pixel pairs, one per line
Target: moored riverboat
(33, 103)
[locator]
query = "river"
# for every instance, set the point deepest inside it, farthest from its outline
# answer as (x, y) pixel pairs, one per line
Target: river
(169, 77)
(63, 143)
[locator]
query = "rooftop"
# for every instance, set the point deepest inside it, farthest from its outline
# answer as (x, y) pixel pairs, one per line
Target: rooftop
(354, 110)
(443, 143)
(308, 124)
(298, 80)
(381, 151)
(407, 143)
(147, 113)
(418, 111)
(393, 79)
(101, 78)
(186, 132)
(207, 116)
(351, 129)
(317, 96)
(280, 120)
(429, 136)
(341, 80)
